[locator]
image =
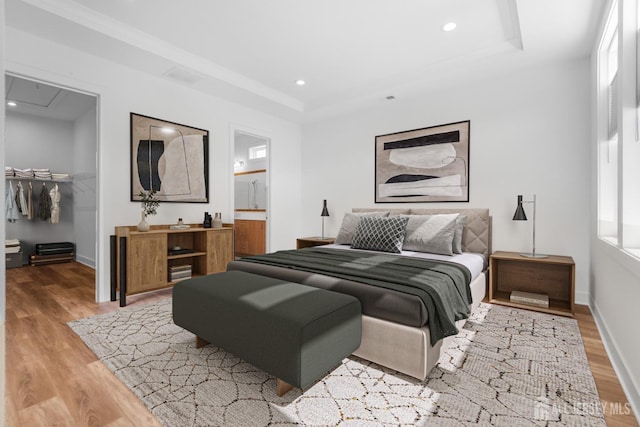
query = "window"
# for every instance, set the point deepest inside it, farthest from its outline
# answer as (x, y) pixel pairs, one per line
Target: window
(257, 152)
(608, 133)
(619, 129)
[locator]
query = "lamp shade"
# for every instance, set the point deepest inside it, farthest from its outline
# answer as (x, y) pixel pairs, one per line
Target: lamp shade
(325, 212)
(519, 215)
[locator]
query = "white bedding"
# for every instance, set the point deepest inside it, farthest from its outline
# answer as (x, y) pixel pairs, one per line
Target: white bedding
(473, 261)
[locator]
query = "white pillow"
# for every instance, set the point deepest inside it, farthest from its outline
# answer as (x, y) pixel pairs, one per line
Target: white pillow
(457, 236)
(430, 233)
(350, 222)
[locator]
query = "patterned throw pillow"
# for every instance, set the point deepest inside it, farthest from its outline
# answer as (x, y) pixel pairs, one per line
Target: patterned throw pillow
(350, 222)
(380, 234)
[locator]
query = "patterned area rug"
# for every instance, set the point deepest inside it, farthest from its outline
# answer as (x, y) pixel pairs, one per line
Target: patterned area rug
(507, 367)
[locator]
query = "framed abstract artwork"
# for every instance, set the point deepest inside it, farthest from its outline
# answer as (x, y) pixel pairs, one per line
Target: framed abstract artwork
(170, 159)
(423, 165)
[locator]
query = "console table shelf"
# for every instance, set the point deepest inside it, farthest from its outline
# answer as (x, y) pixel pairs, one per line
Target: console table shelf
(187, 255)
(143, 259)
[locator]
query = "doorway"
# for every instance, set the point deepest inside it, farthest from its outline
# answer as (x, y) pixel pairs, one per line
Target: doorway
(51, 142)
(250, 193)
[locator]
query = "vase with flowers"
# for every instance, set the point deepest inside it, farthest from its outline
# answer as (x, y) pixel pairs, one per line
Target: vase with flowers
(149, 207)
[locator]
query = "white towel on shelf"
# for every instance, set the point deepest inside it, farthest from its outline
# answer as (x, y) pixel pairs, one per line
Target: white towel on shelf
(42, 173)
(23, 173)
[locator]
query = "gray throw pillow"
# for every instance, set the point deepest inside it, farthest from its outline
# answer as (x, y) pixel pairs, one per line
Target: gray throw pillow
(457, 236)
(380, 234)
(430, 233)
(350, 223)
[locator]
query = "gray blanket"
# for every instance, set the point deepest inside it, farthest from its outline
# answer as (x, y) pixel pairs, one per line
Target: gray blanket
(443, 286)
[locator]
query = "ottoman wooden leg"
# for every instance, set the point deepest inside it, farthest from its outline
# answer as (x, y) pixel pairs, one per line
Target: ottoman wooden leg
(282, 387)
(200, 342)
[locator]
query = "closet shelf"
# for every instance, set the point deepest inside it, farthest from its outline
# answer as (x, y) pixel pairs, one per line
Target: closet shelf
(15, 178)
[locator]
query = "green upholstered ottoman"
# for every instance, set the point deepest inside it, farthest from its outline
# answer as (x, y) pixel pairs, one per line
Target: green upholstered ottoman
(294, 332)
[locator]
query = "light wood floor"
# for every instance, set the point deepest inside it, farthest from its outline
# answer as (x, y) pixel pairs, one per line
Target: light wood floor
(52, 378)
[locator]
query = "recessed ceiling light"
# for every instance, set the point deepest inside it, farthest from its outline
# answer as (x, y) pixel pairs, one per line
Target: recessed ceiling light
(300, 82)
(449, 27)
(11, 103)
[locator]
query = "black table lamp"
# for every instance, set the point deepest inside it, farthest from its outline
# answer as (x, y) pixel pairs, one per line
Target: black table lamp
(520, 215)
(324, 213)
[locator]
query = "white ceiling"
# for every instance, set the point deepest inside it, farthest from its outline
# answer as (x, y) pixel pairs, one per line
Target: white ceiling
(42, 100)
(351, 53)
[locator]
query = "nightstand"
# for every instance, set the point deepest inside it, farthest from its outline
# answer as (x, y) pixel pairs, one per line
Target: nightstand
(308, 242)
(553, 276)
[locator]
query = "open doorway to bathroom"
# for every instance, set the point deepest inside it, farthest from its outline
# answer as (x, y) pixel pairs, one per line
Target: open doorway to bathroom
(251, 193)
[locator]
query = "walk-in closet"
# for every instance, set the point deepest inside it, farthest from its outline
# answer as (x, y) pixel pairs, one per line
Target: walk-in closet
(50, 172)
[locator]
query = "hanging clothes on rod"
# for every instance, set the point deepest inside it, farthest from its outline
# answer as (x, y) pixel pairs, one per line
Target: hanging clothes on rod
(21, 199)
(12, 212)
(44, 208)
(55, 205)
(30, 213)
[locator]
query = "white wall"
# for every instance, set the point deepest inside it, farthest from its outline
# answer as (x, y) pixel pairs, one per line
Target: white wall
(85, 134)
(2, 221)
(529, 134)
(615, 292)
(122, 90)
(38, 142)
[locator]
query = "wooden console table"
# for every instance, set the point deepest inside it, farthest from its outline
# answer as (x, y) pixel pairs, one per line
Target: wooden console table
(143, 259)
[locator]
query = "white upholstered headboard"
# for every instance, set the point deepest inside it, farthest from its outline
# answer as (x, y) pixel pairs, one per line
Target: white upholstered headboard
(476, 234)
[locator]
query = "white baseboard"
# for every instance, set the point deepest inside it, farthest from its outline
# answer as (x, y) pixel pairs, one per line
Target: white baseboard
(582, 298)
(86, 261)
(630, 389)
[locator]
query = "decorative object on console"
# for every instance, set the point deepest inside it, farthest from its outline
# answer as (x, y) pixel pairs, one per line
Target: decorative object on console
(324, 213)
(181, 150)
(217, 220)
(207, 220)
(520, 215)
(179, 272)
(423, 165)
(149, 207)
(179, 226)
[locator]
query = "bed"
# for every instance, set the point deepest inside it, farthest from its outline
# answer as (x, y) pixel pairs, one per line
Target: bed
(396, 326)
